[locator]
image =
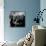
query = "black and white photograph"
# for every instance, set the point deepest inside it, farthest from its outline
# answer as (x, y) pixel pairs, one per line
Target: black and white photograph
(17, 19)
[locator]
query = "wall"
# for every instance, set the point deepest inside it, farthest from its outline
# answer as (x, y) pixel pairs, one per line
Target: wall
(30, 6)
(1, 21)
(43, 6)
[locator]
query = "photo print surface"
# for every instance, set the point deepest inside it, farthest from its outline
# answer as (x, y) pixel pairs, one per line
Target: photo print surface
(17, 19)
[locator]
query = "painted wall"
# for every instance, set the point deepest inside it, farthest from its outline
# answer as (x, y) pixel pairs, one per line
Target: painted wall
(30, 6)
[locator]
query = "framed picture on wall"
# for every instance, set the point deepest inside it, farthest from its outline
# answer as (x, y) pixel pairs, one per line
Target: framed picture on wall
(17, 19)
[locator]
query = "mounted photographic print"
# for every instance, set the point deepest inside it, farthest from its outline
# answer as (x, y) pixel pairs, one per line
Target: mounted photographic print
(17, 19)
